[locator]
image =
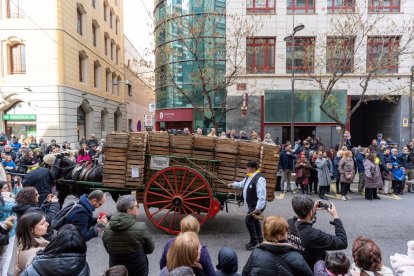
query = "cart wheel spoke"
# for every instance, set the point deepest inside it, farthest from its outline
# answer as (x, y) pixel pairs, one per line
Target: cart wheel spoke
(183, 180)
(161, 209)
(158, 202)
(191, 183)
(175, 181)
(162, 188)
(157, 194)
(168, 182)
(197, 205)
(173, 217)
(196, 198)
(193, 191)
(192, 212)
(164, 217)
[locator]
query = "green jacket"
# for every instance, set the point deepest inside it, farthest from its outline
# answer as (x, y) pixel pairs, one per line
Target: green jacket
(124, 234)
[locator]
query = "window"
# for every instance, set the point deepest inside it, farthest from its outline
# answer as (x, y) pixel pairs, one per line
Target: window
(95, 33)
(106, 43)
(341, 6)
(80, 19)
(384, 5)
(260, 55)
(119, 83)
(304, 55)
(14, 9)
(117, 25)
(300, 6)
(108, 80)
(96, 74)
(105, 9)
(340, 55)
(261, 6)
(82, 66)
(115, 85)
(117, 54)
(94, 3)
(18, 59)
(111, 18)
(112, 49)
(382, 56)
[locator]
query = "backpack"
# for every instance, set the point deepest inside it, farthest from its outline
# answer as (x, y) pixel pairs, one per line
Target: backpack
(59, 220)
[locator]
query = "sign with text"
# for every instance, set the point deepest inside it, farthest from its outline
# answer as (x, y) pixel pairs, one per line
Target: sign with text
(159, 162)
(174, 115)
(148, 120)
(405, 122)
(19, 117)
(151, 107)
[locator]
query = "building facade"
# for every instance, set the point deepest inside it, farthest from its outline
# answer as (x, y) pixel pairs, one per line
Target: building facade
(189, 61)
(61, 68)
(267, 78)
(139, 94)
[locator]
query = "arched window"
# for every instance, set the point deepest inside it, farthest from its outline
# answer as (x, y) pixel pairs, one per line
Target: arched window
(106, 36)
(117, 119)
(111, 18)
(115, 84)
(119, 83)
(95, 33)
(112, 49)
(104, 120)
(108, 80)
(80, 19)
(117, 54)
(117, 25)
(105, 9)
(18, 58)
(83, 66)
(96, 74)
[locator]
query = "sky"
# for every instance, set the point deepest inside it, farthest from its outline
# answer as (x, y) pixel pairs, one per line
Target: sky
(138, 24)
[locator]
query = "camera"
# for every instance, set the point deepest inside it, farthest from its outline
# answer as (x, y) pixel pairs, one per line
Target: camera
(324, 205)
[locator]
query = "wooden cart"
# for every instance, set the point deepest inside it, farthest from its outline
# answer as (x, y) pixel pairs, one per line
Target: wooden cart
(179, 175)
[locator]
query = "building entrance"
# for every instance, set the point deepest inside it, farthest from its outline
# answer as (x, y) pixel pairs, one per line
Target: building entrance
(301, 132)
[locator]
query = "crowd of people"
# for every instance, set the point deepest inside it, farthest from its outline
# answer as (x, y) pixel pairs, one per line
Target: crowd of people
(381, 168)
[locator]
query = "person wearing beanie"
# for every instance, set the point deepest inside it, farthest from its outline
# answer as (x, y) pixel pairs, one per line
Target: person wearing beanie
(227, 262)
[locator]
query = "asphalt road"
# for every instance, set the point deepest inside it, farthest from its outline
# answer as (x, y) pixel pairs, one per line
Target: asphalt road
(388, 221)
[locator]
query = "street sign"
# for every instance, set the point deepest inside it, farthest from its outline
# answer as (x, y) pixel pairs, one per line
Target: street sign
(151, 107)
(405, 122)
(148, 120)
(19, 117)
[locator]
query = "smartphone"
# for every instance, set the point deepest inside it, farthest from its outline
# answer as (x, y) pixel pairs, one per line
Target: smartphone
(324, 205)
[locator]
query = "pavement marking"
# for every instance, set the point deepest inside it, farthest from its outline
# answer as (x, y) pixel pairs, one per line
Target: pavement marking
(392, 196)
(281, 196)
(333, 196)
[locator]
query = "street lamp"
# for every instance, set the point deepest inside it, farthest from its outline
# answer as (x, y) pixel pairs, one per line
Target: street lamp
(291, 38)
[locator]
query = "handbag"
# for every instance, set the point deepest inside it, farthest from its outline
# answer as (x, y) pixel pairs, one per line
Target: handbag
(349, 175)
(299, 173)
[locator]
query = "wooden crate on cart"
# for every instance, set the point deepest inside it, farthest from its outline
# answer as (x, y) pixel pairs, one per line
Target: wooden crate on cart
(115, 160)
(137, 146)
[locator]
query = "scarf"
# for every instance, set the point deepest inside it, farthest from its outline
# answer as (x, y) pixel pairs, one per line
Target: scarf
(251, 174)
(85, 203)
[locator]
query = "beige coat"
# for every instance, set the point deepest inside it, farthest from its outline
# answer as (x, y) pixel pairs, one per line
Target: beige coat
(25, 257)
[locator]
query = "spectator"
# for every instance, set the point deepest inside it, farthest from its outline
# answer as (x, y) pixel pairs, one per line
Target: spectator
(212, 133)
(374, 148)
(324, 177)
(408, 164)
(64, 255)
(243, 135)
(42, 180)
(93, 141)
(15, 145)
(186, 131)
(199, 132)
(227, 262)
(275, 256)
(360, 157)
(286, 164)
(403, 265)
(99, 156)
(33, 145)
(50, 148)
(82, 214)
(126, 240)
(190, 224)
(83, 156)
(373, 179)
(367, 258)
(118, 270)
(233, 134)
(8, 164)
(268, 139)
(83, 141)
(92, 152)
(336, 264)
(8, 150)
(5, 258)
(387, 179)
(30, 231)
(184, 254)
(313, 179)
(347, 171)
(303, 168)
(336, 175)
(347, 140)
(398, 177)
(313, 242)
(255, 137)
(3, 141)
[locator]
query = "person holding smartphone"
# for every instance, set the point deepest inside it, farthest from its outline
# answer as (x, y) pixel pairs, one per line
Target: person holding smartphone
(311, 241)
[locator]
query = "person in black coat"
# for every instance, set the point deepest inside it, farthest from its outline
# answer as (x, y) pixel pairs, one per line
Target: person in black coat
(42, 180)
(275, 256)
(65, 256)
(311, 241)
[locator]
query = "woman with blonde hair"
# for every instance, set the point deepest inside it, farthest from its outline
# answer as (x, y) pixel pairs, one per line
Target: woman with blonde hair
(347, 170)
(184, 253)
(190, 224)
(213, 132)
(255, 137)
(276, 256)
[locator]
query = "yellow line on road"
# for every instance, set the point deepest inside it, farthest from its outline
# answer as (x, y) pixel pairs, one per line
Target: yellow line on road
(281, 196)
(392, 196)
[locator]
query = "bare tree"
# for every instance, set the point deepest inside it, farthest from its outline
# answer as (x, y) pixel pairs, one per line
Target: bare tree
(198, 44)
(365, 46)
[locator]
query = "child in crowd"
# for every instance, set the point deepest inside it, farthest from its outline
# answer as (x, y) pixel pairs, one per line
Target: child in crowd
(8, 163)
(398, 178)
(336, 264)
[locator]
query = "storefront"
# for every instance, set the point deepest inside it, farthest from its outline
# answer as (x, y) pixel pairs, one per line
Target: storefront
(178, 119)
(20, 120)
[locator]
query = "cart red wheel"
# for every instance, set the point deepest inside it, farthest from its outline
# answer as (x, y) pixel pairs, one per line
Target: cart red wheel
(175, 192)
